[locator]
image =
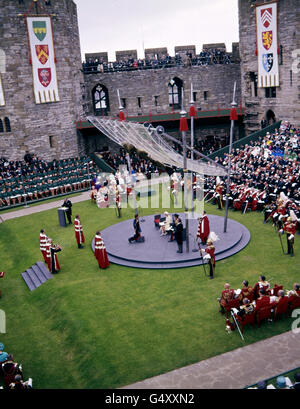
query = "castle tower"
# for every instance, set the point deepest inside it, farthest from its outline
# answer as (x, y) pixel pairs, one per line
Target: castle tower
(270, 102)
(40, 89)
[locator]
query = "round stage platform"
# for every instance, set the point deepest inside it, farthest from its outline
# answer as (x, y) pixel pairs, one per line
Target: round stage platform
(157, 252)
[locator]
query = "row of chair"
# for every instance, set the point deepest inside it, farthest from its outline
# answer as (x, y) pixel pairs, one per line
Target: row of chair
(271, 311)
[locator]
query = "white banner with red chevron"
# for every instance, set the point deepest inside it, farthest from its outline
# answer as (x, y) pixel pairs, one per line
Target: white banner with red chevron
(267, 45)
(42, 58)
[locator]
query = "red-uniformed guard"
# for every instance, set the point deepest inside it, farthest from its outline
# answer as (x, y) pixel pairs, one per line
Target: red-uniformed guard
(100, 251)
(78, 232)
(43, 242)
(203, 228)
(210, 255)
(290, 229)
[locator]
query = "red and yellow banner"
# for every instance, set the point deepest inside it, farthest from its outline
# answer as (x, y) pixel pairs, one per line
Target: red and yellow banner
(42, 57)
(267, 45)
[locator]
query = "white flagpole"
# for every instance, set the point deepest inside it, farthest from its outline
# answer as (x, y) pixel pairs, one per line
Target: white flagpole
(233, 105)
(192, 124)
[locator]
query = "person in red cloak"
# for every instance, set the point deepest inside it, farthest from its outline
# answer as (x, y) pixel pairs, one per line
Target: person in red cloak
(78, 232)
(100, 251)
(43, 242)
(203, 228)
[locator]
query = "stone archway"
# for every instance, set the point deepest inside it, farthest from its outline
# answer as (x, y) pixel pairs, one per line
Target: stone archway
(270, 117)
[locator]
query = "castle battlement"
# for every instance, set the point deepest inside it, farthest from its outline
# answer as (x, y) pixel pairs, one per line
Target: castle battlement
(158, 53)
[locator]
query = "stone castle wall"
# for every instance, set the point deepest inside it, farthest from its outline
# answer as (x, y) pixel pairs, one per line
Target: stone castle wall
(286, 104)
(32, 124)
(151, 86)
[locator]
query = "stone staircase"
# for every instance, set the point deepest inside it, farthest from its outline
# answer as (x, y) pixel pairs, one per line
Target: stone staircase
(36, 275)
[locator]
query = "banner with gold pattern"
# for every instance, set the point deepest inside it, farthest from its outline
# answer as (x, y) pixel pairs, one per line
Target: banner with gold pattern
(267, 45)
(42, 58)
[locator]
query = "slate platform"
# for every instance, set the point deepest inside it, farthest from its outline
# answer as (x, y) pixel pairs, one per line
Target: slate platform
(36, 275)
(158, 253)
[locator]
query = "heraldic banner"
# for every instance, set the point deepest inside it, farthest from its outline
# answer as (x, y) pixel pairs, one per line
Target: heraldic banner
(267, 45)
(2, 100)
(42, 59)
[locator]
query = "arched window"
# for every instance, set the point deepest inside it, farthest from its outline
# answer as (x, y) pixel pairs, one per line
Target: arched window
(100, 100)
(175, 87)
(7, 124)
(1, 126)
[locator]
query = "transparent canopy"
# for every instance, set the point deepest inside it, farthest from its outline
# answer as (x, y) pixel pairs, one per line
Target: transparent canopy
(151, 140)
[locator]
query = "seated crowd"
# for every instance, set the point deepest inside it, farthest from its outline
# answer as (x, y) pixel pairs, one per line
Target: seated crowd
(260, 301)
(34, 178)
(265, 176)
(206, 57)
(11, 372)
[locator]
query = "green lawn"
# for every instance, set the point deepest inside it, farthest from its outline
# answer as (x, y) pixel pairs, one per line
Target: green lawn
(89, 328)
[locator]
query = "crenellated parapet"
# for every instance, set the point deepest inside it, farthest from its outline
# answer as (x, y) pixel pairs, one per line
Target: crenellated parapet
(161, 53)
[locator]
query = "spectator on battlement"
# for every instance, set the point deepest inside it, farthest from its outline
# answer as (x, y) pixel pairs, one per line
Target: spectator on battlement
(206, 57)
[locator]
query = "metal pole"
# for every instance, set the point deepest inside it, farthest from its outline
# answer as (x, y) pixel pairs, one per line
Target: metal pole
(279, 234)
(233, 105)
(132, 183)
(237, 325)
(88, 172)
(36, 6)
(185, 172)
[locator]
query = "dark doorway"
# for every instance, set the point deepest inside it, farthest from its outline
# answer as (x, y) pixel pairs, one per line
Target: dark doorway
(270, 117)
